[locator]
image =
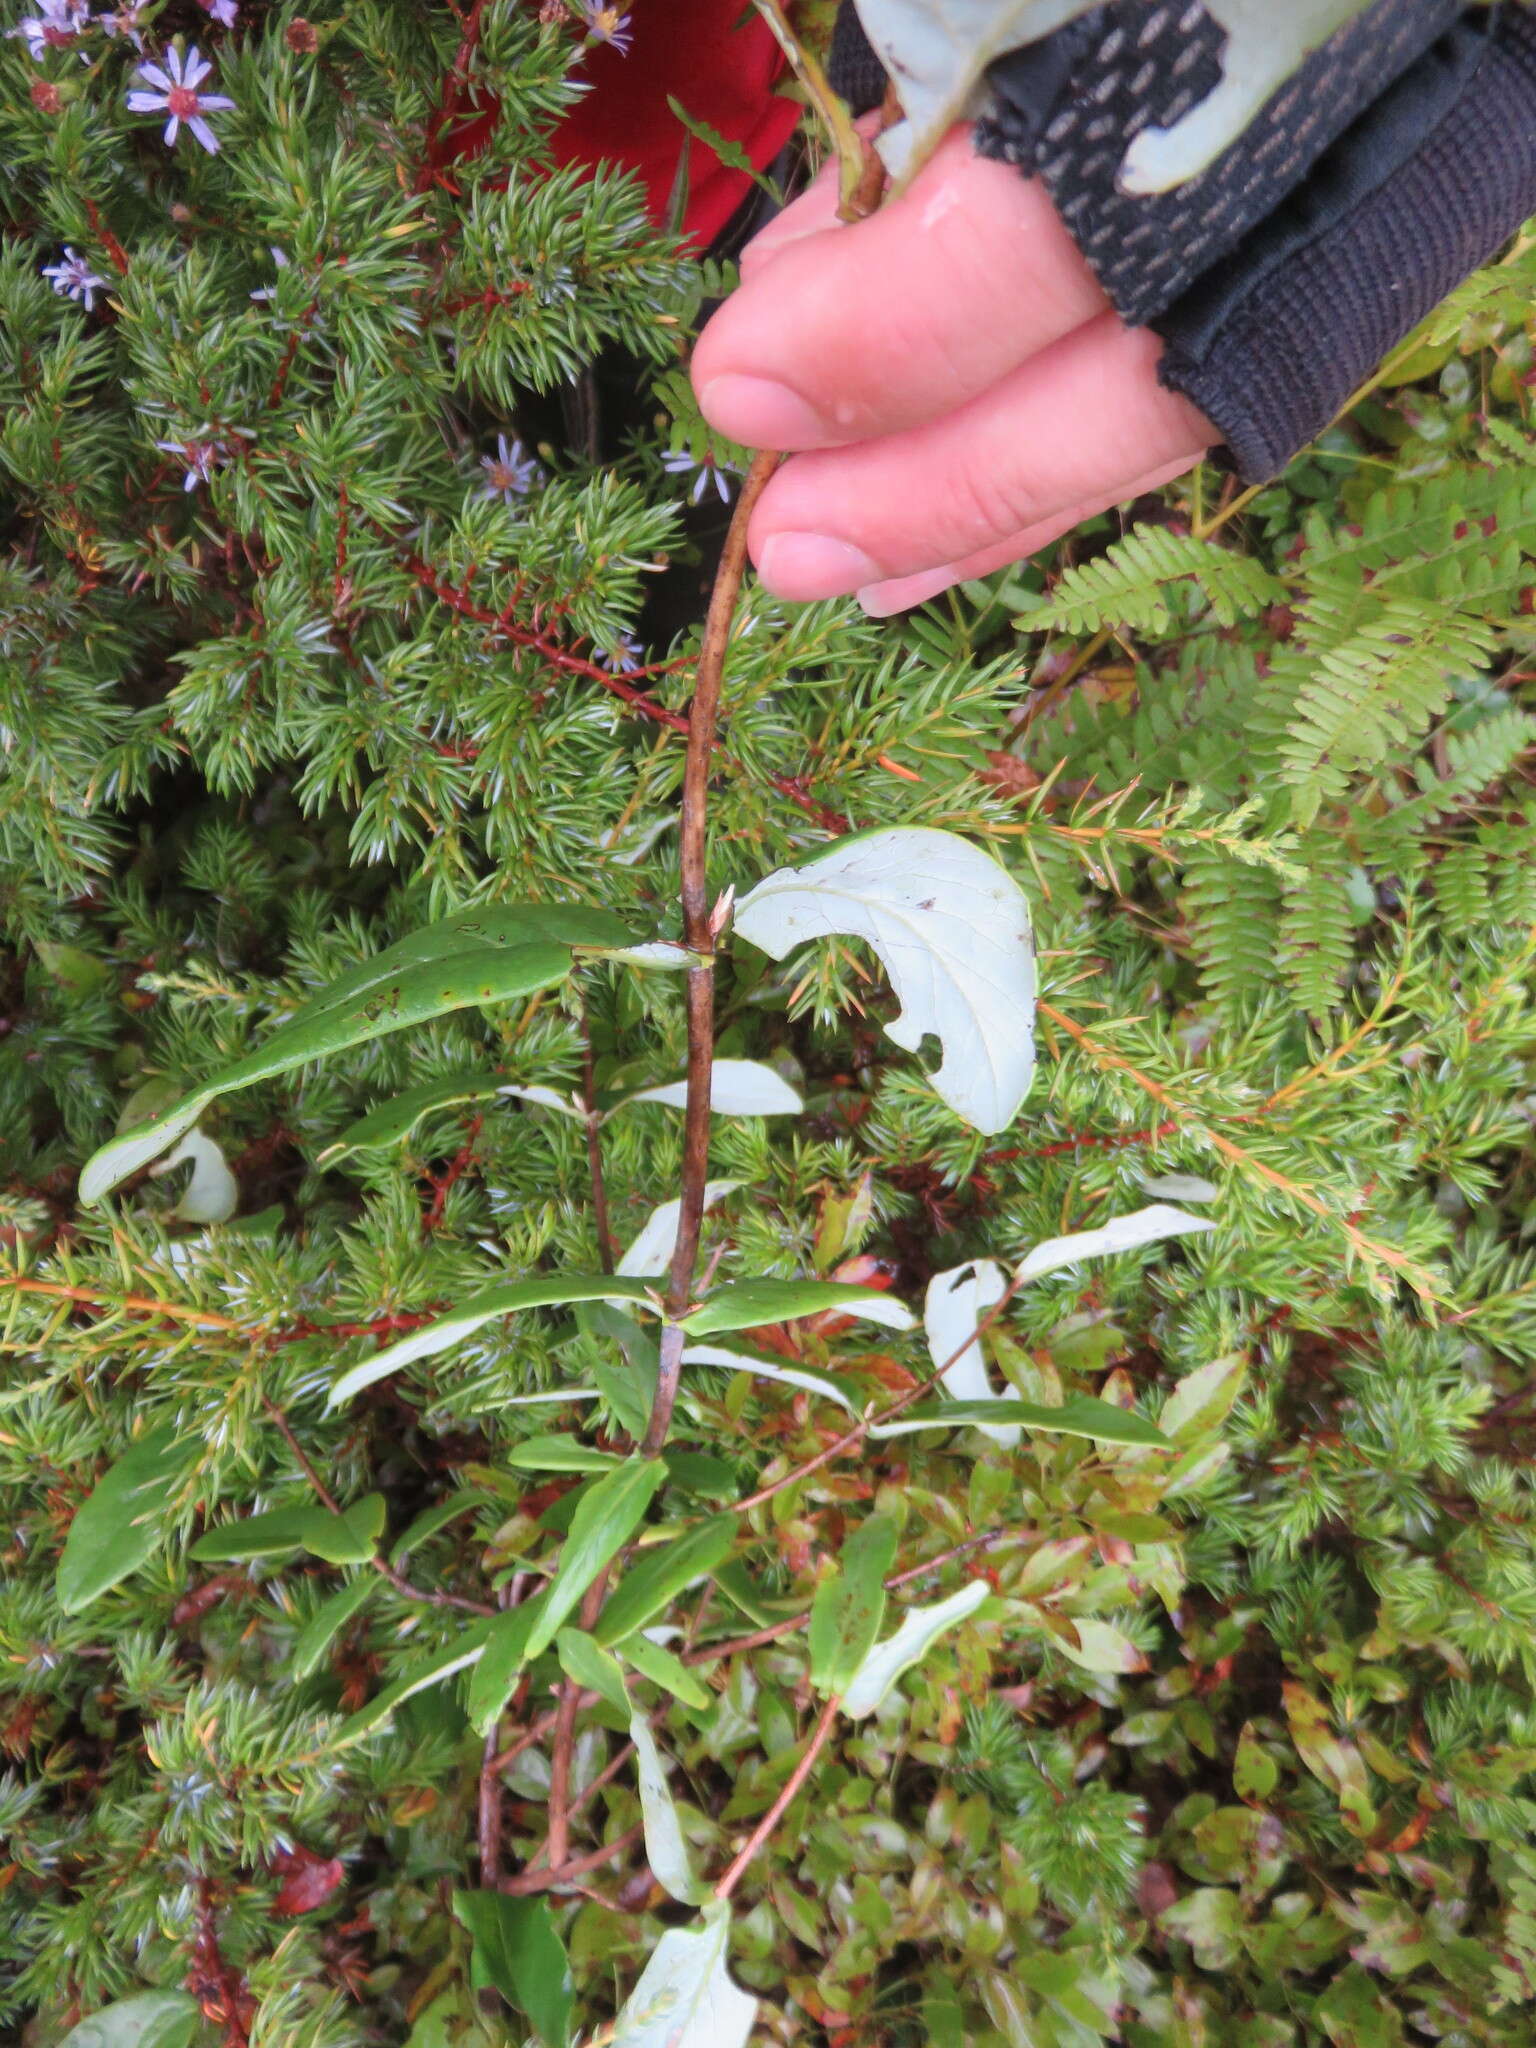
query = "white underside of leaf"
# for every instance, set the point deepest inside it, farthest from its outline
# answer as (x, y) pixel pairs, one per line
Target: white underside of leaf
(685, 1998)
(952, 929)
(1125, 1234)
(806, 1377)
(212, 1195)
(1181, 1187)
(912, 1641)
(736, 1088)
(665, 1849)
(938, 50)
(651, 1252)
(953, 1309)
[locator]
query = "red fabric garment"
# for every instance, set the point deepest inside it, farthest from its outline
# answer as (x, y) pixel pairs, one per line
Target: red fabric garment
(721, 67)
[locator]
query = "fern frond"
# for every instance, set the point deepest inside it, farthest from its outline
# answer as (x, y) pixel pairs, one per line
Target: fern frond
(1317, 928)
(1132, 585)
(1233, 913)
(1369, 692)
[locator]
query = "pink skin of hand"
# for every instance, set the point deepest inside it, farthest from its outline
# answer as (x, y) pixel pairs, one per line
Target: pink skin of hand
(949, 380)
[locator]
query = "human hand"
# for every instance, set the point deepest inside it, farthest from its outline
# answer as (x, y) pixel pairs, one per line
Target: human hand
(950, 381)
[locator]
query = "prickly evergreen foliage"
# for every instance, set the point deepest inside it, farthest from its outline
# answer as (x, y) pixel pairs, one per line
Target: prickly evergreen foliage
(1237, 1749)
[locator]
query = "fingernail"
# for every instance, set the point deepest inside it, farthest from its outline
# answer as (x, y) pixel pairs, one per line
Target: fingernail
(805, 566)
(901, 593)
(760, 413)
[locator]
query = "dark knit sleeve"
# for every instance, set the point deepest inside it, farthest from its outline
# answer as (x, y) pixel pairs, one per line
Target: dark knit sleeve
(1396, 160)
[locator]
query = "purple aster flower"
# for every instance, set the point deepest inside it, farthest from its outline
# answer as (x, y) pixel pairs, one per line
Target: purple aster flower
(509, 473)
(620, 656)
(177, 91)
(710, 470)
(225, 12)
(56, 25)
(198, 455)
(124, 21)
(74, 279)
(608, 25)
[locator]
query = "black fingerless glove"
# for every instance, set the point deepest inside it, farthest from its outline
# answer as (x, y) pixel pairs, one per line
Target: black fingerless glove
(1396, 160)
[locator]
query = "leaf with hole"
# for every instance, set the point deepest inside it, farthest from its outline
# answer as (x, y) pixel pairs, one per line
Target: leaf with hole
(119, 1526)
(489, 1306)
(952, 929)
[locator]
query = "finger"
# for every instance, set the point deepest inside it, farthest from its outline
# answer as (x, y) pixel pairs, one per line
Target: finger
(813, 212)
(874, 327)
(1070, 428)
(902, 593)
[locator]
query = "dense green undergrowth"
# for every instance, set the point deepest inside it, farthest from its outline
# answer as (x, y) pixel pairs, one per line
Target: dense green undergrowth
(1236, 1749)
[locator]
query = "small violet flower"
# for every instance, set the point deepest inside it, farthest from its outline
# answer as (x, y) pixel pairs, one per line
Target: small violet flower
(509, 473)
(198, 455)
(608, 25)
(73, 278)
(621, 656)
(710, 470)
(124, 21)
(225, 12)
(177, 91)
(55, 26)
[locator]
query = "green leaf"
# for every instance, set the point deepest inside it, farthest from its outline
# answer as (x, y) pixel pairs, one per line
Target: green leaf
(850, 1606)
(1255, 1773)
(658, 1664)
(327, 1622)
(919, 1631)
(152, 2019)
(607, 1515)
(352, 1537)
(479, 957)
(560, 1454)
(665, 1849)
(466, 1649)
(389, 1123)
(656, 1578)
(744, 1304)
(1330, 1757)
(1211, 1921)
(118, 1527)
(951, 927)
(438, 1516)
(1203, 1399)
(685, 1997)
(1082, 1415)
(730, 153)
(592, 1668)
(486, 1307)
(506, 1652)
(517, 1952)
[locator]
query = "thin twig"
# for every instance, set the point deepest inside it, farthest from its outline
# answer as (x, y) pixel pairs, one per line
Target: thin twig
(529, 1881)
(699, 937)
(606, 1249)
(490, 1814)
(780, 1806)
(332, 1506)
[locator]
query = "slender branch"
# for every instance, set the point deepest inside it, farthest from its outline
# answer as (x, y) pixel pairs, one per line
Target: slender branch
(90, 1297)
(606, 1249)
(330, 1503)
(781, 1805)
(490, 1814)
(559, 1844)
(530, 1881)
(699, 937)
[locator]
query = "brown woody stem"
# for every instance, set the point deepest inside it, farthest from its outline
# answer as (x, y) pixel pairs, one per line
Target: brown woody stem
(699, 937)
